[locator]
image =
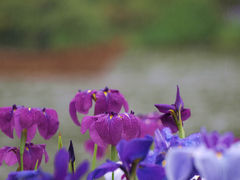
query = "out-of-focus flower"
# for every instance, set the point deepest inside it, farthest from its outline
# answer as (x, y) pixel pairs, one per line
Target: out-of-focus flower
(106, 100)
(60, 170)
(32, 154)
(20, 118)
(216, 158)
(149, 123)
(167, 118)
(89, 147)
(110, 128)
(131, 154)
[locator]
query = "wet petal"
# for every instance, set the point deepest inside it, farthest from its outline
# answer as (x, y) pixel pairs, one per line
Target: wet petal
(179, 164)
(131, 126)
(164, 108)
(109, 129)
(49, 125)
(134, 149)
(61, 164)
(83, 101)
(109, 166)
(150, 171)
(6, 121)
(73, 112)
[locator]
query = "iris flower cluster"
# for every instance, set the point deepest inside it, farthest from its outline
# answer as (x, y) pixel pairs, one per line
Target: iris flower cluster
(142, 146)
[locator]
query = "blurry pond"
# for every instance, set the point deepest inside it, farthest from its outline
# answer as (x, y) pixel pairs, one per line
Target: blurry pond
(209, 85)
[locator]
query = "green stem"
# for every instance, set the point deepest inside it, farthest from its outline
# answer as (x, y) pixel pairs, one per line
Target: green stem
(180, 127)
(22, 147)
(94, 157)
(60, 145)
(113, 157)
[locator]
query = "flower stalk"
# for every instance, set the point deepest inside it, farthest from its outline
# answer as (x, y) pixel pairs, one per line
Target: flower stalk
(94, 157)
(22, 147)
(113, 157)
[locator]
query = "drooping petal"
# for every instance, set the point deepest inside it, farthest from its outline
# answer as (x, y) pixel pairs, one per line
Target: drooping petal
(109, 129)
(83, 101)
(131, 126)
(25, 117)
(115, 101)
(164, 108)
(109, 166)
(6, 121)
(95, 136)
(179, 164)
(150, 171)
(87, 121)
(80, 171)
(73, 112)
(185, 114)
(48, 126)
(61, 164)
(8, 154)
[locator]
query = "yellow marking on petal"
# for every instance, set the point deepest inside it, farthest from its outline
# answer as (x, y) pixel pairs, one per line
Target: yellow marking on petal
(94, 97)
(89, 91)
(111, 116)
(119, 116)
(219, 154)
(29, 109)
(171, 111)
(105, 93)
(27, 148)
(163, 163)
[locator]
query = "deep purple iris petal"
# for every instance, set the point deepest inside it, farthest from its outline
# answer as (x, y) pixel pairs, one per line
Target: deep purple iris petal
(61, 164)
(109, 129)
(48, 125)
(25, 117)
(178, 102)
(109, 166)
(125, 103)
(101, 105)
(137, 148)
(80, 171)
(116, 101)
(6, 121)
(179, 164)
(185, 114)
(150, 171)
(83, 101)
(8, 154)
(73, 112)
(164, 108)
(131, 126)
(29, 175)
(209, 166)
(168, 121)
(89, 146)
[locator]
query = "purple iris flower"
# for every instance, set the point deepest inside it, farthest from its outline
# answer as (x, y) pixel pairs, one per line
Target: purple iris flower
(149, 123)
(89, 147)
(20, 118)
(131, 154)
(32, 154)
(106, 100)
(110, 128)
(60, 170)
(216, 158)
(167, 118)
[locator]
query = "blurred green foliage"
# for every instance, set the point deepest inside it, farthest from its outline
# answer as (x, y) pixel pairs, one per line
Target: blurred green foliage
(65, 23)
